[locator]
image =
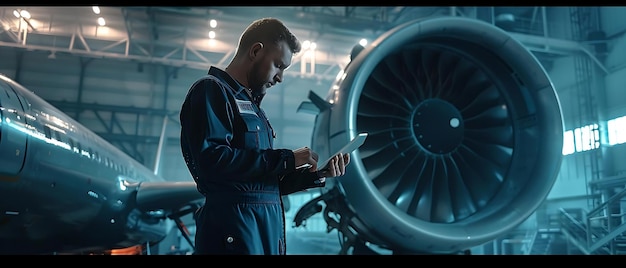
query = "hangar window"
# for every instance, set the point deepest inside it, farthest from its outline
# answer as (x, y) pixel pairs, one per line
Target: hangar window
(586, 138)
(617, 130)
(568, 142)
(581, 139)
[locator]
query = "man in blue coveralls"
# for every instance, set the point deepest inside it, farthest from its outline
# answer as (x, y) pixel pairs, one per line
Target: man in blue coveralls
(227, 143)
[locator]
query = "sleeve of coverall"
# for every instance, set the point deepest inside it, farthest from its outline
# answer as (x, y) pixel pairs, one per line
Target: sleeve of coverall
(300, 180)
(211, 132)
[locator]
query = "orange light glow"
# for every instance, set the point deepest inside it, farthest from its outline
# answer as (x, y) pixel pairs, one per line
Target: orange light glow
(134, 250)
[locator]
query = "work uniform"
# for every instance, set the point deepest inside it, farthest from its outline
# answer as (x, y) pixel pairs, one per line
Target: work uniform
(227, 143)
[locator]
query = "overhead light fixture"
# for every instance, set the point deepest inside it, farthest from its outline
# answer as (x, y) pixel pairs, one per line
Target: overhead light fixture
(20, 13)
(23, 14)
(306, 44)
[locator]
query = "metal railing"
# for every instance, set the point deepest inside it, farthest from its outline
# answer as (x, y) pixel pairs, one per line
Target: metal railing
(598, 232)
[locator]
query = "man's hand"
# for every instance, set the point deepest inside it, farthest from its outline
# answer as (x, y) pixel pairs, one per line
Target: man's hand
(306, 157)
(336, 166)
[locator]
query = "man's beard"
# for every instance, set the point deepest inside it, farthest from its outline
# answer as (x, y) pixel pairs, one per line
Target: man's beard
(258, 91)
(258, 88)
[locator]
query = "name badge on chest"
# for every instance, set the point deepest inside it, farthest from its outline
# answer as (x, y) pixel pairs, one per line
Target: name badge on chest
(245, 107)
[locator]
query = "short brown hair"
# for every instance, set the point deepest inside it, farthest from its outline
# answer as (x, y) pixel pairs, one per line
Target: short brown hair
(268, 30)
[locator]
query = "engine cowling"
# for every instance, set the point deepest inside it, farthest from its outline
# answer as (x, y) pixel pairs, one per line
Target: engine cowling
(465, 136)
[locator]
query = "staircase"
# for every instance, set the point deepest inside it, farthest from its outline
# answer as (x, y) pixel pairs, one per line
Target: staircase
(573, 231)
(602, 231)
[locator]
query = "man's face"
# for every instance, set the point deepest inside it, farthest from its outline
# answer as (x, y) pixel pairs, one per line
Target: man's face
(268, 68)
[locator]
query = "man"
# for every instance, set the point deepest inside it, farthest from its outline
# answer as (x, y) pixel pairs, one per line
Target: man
(227, 143)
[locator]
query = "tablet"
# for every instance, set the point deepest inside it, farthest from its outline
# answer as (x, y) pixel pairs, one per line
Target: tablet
(348, 148)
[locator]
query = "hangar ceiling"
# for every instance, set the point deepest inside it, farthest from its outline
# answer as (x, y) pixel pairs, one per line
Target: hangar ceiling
(178, 36)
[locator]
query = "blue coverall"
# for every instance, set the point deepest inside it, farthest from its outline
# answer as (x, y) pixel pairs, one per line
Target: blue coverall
(227, 143)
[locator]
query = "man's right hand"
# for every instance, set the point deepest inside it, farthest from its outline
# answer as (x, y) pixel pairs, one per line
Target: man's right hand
(305, 156)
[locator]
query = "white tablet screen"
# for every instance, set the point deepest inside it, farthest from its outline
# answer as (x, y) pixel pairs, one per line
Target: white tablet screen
(348, 148)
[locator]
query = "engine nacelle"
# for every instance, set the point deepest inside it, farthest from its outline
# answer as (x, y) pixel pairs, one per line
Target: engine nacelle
(465, 137)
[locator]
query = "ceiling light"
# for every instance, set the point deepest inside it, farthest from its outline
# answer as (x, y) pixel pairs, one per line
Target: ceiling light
(306, 44)
(25, 14)
(20, 13)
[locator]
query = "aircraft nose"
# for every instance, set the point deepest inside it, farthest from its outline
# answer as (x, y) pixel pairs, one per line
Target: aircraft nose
(12, 130)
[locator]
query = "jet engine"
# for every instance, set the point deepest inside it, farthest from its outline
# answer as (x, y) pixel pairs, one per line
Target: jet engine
(465, 139)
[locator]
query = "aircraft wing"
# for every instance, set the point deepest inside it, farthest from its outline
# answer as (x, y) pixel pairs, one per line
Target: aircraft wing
(167, 195)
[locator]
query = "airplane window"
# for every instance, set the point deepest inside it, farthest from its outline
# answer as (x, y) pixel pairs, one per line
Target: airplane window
(75, 145)
(46, 130)
(57, 135)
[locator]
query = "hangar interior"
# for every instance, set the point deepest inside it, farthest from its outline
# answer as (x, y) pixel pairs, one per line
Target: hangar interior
(125, 80)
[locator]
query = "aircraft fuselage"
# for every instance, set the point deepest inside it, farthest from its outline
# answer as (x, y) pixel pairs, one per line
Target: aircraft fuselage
(62, 187)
